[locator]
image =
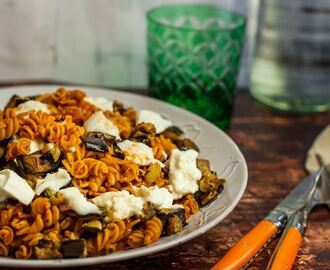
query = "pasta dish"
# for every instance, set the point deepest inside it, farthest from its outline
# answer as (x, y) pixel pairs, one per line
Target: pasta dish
(85, 176)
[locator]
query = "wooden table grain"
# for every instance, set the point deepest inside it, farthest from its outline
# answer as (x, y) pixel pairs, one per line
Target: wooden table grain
(274, 145)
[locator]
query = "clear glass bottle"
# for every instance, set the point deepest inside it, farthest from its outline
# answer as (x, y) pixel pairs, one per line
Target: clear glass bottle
(291, 70)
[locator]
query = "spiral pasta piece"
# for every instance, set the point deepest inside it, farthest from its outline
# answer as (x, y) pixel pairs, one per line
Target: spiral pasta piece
(24, 252)
(9, 124)
(3, 250)
(34, 125)
(6, 235)
(190, 205)
(136, 239)
(113, 233)
(65, 134)
(19, 147)
(153, 230)
(162, 147)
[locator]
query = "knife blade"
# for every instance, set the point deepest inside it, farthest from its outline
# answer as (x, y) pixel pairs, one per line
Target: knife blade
(291, 240)
(295, 200)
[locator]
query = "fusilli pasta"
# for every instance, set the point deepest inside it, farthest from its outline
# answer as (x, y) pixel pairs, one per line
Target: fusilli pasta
(117, 201)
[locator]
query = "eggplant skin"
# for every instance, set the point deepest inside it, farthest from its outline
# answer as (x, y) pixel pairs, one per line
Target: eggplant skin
(39, 164)
(173, 220)
(74, 248)
(117, 152)
(46, 249)
(95, 144)
(210, 186)
(3, 146)
(187, 144)
(16, 100)
(144, 132)
(174, 133)
(108, 139)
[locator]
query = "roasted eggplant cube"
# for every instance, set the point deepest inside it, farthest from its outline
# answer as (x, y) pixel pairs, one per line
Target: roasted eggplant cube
(144, 132)
(92, 226)
(148, 212)
(15, 101)
(117, 152)
(38, 163)
(46, 249)
(210, 186)
(108, 139)
(3, 146)
(74, 248)
(95, 144)
(117, 106)
(174, 225)
(174, 133)
(186, 144)
(203, 165)
(173, 220)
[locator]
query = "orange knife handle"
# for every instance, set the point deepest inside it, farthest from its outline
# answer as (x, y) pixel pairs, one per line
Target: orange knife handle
(247, 247)
(288, 250)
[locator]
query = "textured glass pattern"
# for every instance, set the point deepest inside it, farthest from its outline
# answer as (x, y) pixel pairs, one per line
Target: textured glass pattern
(194, 54)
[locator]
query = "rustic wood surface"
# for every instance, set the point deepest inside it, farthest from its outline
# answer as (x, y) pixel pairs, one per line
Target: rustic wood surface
(274, 145)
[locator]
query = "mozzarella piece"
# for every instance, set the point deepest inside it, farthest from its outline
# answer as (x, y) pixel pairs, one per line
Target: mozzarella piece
(183, 172)
(32, 105)
(53, 181)
(121, 204)
(14, 186)
(160, 123)
(77, 201)
(97, 122)
(137, 152)
(101, 103)
(160, 197)
(36, 146)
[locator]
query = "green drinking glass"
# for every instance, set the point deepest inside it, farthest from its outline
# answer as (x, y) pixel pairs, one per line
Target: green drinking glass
(194, 53)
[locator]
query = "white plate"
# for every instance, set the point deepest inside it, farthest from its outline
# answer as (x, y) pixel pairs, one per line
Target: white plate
(226, 159)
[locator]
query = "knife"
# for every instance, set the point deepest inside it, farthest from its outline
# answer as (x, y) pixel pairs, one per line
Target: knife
(246, 248)
(289, 244)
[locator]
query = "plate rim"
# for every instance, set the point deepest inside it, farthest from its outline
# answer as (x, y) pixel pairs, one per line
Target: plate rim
(137, 252)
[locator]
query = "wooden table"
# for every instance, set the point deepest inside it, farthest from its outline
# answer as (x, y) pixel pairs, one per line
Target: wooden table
(274, 145)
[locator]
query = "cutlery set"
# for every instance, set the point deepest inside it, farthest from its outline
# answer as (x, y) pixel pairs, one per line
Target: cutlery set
(288, 218)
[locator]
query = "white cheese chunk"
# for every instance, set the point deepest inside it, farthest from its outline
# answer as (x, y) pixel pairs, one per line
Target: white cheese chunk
(77, 201)
(160, 123)
(36, 146)
(101, 103)
(97, 122)
(183, 172)
(121, 204)
(32, 105)
(160, 197)
(137, 152)
(14, 186)
(53, 181)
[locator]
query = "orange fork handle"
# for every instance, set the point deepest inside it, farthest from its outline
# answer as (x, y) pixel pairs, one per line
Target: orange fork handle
(247, 247)
(288, 250)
